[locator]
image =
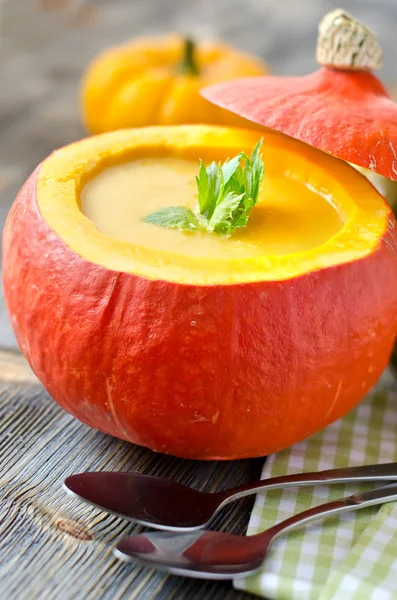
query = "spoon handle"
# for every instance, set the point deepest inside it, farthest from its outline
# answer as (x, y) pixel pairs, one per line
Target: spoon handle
(381, 495)
(385, 472)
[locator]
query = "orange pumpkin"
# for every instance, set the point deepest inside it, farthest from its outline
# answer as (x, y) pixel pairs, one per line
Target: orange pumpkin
(212, 356)
(157, 81)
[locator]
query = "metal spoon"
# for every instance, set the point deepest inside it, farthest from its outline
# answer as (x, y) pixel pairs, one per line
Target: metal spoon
(217, 555)
(164, 504)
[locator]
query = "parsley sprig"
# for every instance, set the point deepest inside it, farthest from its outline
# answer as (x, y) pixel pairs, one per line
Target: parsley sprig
(226, 194)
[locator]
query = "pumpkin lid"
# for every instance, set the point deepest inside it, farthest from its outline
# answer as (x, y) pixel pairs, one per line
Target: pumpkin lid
(342, 108)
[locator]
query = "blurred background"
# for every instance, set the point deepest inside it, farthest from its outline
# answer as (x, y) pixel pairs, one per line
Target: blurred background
(46, 44)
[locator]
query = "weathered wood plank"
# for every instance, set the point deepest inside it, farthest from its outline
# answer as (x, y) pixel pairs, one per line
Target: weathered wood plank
(57, 547)
(15, 369)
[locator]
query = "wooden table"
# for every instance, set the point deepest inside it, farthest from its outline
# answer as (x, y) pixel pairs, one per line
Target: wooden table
(51, 545)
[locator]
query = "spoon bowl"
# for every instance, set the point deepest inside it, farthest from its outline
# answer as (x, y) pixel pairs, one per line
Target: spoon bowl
(203, 555)
(150, 501)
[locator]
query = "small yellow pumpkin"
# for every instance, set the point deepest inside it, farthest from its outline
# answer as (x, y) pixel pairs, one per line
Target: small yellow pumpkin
(157, 81)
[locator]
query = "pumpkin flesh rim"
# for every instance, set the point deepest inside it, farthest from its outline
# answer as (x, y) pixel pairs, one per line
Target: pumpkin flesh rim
(63, 174)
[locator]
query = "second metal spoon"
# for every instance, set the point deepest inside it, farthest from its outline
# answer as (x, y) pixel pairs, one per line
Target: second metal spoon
(218, 555)
(164, 504)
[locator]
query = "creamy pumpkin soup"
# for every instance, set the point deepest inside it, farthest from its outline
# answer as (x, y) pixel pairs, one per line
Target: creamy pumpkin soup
(290, 216)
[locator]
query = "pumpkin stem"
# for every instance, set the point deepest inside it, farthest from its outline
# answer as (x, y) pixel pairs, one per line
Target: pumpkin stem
(345, 43)
(188, 64)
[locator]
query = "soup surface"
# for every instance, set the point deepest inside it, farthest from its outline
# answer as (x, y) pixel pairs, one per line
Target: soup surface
(289, 217)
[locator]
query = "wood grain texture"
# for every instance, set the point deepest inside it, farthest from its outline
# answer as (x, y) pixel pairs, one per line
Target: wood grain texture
(56, 546)
(14, 369)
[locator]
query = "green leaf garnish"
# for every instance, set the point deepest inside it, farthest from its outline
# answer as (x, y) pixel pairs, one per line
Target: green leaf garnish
(226, 194)
(174, 217)
(223, 215)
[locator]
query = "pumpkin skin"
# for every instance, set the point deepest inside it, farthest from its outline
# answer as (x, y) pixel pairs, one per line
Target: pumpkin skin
(140, 83)
(347, 114)
(197, 371)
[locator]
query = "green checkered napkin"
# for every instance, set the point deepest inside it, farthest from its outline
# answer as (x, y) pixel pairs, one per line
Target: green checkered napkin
(344, 558)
